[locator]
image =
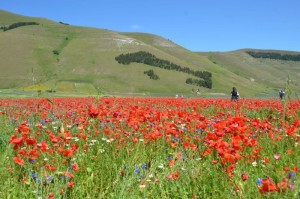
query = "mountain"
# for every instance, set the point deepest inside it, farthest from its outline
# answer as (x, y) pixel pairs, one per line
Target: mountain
(56, 56)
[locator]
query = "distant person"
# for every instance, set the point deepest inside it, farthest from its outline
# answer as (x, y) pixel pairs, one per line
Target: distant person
(281, 94)
(234, 94)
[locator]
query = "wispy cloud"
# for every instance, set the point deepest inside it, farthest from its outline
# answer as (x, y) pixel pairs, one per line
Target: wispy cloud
(135, 26)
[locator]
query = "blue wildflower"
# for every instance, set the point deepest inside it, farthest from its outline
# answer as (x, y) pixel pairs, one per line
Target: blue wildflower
(291, 175)
(199, 130)
(49, 179)
(258, 182)
(102, 124)
(34, 176)
(136, 170)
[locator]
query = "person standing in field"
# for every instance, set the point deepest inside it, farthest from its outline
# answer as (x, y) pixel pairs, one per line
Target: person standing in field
(234, 94)
(281, 94)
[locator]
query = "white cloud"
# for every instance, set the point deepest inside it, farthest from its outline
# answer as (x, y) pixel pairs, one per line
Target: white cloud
(135, 26)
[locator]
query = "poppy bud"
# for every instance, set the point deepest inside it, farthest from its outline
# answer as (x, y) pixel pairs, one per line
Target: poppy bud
(244, 177)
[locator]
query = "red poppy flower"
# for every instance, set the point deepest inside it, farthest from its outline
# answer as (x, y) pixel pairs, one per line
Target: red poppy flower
(173, 176)
(267, 186)
(93, 112)
(244, 177)
(70, 184)
(75, 167)
(18, 161)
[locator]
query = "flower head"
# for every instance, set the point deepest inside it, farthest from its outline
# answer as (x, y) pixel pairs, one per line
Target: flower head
(244, 177)
(276, 156)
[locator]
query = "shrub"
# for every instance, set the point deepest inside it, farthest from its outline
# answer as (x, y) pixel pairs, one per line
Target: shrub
(56, 52)
(151, 74)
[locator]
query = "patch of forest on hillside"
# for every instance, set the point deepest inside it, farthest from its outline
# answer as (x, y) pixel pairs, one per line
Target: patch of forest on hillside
(149, 59)
(18, 24)
(272, 55)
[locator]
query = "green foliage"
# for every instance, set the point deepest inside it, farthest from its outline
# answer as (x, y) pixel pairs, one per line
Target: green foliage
(149, 59)
(55, 52)
(18, 24)
(64, 23)
(199, 82)
(151, 74)
(271, 55)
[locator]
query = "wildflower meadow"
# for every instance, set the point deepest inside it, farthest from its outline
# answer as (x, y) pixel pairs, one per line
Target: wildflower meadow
(149, 148)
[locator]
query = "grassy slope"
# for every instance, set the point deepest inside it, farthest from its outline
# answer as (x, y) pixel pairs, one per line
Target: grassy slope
(223, 78)
(86, 62)
(27, 51)
(270, 74)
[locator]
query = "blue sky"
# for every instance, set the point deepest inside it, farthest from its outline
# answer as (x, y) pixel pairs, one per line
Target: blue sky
(198, 25)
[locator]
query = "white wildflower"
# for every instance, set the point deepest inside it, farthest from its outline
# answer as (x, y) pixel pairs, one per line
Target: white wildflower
(101, 150)
(142, 185)
(161, 166)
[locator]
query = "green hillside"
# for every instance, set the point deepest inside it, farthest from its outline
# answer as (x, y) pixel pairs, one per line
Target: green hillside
(81, 60)
(272, 74)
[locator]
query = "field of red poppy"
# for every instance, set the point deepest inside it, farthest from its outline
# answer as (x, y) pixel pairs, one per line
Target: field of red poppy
(149, 148)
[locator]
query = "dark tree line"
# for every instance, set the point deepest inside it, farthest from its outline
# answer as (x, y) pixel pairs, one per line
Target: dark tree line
(149, 59)
(18, 24)
(271, 55)
(151, 74)
(199, 82)
(64, 23)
